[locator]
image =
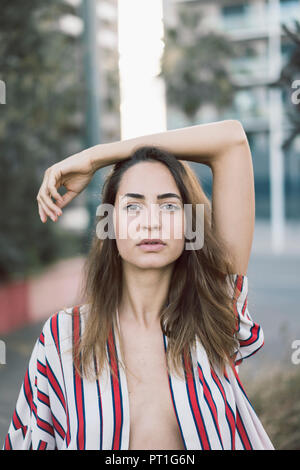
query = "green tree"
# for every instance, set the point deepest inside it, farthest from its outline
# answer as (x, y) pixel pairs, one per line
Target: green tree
(40, 124)
(196, 64)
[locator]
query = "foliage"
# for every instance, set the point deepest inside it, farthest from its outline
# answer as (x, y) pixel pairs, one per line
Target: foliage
(40, 123)
(196, 64)
(275, 399)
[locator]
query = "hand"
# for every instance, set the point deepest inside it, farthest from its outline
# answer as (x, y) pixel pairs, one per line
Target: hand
(74, 173)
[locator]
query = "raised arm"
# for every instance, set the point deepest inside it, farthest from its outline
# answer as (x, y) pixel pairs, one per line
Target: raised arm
(221, 145)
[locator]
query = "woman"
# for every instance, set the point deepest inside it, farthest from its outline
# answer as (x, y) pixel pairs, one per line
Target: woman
(149, 360)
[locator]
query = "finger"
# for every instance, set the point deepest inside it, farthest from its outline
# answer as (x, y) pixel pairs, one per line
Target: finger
(52, 183)
(52, 211)
(46, 209)
(66, 198)
(42, 213)
(45, 195)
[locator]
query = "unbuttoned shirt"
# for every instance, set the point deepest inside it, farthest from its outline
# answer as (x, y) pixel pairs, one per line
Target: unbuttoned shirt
(58, 409)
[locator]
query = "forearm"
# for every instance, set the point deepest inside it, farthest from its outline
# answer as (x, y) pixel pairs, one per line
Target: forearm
(203, 143)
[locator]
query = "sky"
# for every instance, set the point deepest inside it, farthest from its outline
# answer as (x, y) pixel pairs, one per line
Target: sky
(141, 45)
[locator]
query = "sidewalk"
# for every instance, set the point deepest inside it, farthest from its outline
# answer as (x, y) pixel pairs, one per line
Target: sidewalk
(262, 239)
(37, 298)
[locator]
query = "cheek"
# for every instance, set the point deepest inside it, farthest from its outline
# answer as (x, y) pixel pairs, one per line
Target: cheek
(126, 234)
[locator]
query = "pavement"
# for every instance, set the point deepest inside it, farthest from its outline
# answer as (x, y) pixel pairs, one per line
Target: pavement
(273, 302)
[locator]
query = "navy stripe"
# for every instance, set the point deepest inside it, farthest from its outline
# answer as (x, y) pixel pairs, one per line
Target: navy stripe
(81, 398)
(30, 387)
(113, 398)
(44, 396)
(244, 429)
(99, 405)
(19, 419)
(191, 407)
(226, 404)
(211, 411)
(174, 403)
(56, 428)
(62, 373)
(57, 383)
(120, 389)
(39, 370)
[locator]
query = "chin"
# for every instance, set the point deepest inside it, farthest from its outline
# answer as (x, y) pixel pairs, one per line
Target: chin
(152, 261)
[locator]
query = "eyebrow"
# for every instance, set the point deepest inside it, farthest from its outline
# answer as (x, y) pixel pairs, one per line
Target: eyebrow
(159, 196)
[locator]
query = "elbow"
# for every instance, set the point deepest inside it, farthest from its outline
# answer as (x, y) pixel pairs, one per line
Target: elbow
(238, 133)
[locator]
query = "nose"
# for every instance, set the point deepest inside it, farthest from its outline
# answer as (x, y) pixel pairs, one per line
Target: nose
(151, 218)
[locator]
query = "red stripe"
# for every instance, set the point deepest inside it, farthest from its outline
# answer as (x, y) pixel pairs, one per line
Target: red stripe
(242, 432)
(237, 291)
(41, 368)
(239, 282)
(116, 393)
(244, 306)
(54, 329)
(195, 408)
(44, 425)
(42, 445)
(55, 384)
(228, 412)
(253, 337)
(27, 389)
(208, 396)
(17, 423)
(7, 444)
(43, 398)
(42, 338)
(58, 428)
(78, 385)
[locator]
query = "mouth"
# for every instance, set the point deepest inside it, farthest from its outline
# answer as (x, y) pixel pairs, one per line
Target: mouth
(151, 245)
(151, 241)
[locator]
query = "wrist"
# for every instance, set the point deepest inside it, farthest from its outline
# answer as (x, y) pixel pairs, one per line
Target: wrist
(103, 155)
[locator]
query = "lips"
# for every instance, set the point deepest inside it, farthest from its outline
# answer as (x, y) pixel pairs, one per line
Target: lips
(151, 241)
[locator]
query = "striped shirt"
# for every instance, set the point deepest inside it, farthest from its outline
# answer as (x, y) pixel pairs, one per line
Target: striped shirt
(57, 409)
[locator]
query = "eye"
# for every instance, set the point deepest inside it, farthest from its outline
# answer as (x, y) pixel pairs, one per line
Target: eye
(131, 205)
(173, 206)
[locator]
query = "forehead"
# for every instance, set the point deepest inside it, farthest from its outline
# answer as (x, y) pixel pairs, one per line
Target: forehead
(147, 178)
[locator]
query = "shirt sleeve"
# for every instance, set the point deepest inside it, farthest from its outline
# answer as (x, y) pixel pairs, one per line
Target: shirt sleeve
(31, 427)
(249, 334)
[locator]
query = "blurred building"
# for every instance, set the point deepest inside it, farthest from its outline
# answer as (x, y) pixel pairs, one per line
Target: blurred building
(101, 73)
(108, 60)
(263, 50)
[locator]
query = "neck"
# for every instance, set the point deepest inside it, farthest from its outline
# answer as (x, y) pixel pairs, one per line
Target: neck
(144, 294)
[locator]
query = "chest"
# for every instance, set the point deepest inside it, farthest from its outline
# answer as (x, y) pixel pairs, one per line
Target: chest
(153, 423)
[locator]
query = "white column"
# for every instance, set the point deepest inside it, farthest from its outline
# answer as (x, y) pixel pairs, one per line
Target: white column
(276, 133)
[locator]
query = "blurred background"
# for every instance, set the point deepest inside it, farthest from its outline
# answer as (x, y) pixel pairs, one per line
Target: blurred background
(75, 73)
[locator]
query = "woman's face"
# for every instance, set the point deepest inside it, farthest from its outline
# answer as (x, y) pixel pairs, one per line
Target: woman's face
(148, 205)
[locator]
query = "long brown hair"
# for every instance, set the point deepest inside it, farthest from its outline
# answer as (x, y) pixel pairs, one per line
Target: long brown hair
(200, 304)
